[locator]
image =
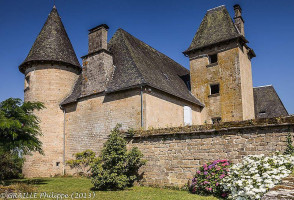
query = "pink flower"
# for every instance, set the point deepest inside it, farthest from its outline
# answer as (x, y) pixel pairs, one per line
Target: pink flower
(222, 176)
(224, 194)
(217, 184)
(198, 172)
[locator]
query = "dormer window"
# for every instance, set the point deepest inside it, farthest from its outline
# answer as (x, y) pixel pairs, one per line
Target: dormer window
(213, 59)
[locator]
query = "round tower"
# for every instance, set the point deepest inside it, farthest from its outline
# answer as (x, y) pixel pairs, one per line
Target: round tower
(51, 70)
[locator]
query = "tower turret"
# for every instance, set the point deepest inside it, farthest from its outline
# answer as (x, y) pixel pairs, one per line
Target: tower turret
(220, 67)
(51, 69)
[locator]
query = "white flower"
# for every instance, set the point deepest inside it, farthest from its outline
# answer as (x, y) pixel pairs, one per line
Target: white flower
(256, 174)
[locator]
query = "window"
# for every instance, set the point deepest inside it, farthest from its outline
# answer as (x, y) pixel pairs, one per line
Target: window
(214, 89)
(213, 58)
(187, 116)
(57, 164)
(27, 82)
(262, 112)
(216, 120)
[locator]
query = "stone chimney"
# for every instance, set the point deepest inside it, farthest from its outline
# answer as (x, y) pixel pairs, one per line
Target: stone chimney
(239, 22)
(98, 38)
(98, 64)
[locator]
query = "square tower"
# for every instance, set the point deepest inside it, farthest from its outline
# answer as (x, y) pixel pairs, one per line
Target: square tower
(220, 67)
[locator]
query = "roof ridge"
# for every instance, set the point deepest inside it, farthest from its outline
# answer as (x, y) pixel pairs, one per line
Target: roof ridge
(212, 9)
(263, 86)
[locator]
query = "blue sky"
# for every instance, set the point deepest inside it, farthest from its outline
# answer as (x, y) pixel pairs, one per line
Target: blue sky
(168, 26)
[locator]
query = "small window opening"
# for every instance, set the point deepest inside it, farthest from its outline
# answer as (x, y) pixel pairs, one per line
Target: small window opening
(216, 120)
(214, 89)
(213, 58)
(57, 164)
(262, 112)
(27, 81)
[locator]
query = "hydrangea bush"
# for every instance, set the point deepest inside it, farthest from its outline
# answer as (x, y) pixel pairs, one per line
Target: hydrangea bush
(207, 179)
(251, 178)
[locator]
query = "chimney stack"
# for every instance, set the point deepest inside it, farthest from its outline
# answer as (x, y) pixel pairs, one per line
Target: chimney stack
(98, 64)
(239, 22)
(98, 38)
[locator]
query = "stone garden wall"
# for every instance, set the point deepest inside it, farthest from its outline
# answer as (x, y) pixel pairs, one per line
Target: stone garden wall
(174, 154)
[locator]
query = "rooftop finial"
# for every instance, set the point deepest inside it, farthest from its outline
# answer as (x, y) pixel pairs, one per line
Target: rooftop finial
(54, 4)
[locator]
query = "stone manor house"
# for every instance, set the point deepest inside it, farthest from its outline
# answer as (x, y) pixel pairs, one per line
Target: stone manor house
(128, 82)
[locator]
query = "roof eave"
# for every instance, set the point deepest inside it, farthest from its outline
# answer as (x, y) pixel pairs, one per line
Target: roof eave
(188, 51)
(22, 67)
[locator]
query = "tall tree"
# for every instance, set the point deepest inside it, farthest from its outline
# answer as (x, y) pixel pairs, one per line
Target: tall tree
(19, 126)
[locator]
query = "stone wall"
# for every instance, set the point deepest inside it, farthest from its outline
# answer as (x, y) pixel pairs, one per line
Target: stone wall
(173, 155)
(164, 110)
(89, 121)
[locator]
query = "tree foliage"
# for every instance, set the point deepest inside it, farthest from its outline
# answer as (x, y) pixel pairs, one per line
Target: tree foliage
(117, 168)
(10, 165)
(19, 131)
(19, 126)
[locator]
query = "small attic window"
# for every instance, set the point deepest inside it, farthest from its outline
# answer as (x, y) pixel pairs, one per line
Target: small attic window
(262, 112)
(214, 89)
(213, 59)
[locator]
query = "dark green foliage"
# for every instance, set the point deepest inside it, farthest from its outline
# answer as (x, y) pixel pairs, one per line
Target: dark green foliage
(289, 149)
(19, 131)
(118, 168)
(82, 161)
(19, 127)
(10, 165)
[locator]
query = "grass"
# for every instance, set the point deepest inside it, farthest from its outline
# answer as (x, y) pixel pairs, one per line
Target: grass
(83, 187)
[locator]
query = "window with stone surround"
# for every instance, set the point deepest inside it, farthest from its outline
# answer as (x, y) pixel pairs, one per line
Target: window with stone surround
(212, 58)
(214, 89)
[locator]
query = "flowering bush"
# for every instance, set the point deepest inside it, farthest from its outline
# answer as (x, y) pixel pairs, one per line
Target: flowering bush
(256, 174)
(207, 179)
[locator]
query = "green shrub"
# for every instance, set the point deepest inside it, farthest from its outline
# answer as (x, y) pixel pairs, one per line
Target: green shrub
(117, 168)
(82, 162)
(289, 149)
(10, 165)
(208, 178)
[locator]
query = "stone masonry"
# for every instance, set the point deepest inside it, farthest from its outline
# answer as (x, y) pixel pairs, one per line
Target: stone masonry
(173, 157)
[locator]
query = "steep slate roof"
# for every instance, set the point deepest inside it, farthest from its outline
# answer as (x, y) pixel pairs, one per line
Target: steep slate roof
(137, 64)
(216, 26)
(267, 103)
(52, 44)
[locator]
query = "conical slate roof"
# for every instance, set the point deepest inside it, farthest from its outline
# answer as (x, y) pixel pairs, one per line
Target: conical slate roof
(216, 26)
(52, 44)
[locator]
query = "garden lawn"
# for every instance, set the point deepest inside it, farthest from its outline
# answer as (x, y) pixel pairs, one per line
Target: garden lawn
(83, 185)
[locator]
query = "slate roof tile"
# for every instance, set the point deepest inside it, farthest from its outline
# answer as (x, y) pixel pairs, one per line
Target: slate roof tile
(52, 44)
